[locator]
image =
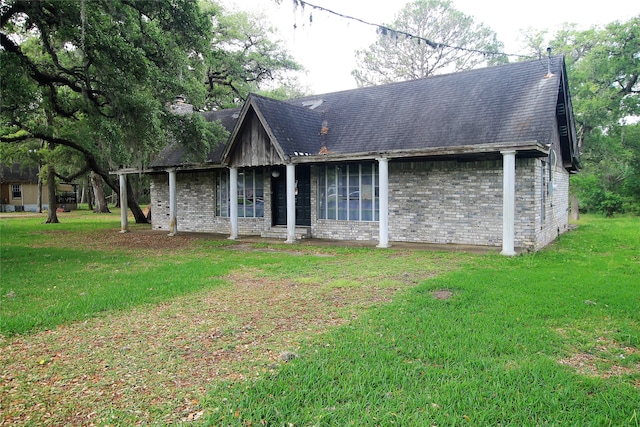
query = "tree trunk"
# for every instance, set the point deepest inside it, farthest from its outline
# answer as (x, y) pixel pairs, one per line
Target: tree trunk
(39, 201)
(132, 201)
(89, 193)
(52, 216)
(98, 191)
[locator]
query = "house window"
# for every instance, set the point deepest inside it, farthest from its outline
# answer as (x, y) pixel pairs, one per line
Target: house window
(16, 191)
(348, 192)
(250, 193)
(222, 193)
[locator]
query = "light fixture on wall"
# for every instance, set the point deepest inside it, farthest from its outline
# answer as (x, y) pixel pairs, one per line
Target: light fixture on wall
(275, 173)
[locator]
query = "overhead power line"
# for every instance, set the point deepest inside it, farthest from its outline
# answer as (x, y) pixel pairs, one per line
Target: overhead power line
(383, 29)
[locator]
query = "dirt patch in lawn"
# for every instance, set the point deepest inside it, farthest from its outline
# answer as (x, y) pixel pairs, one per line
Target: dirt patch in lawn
(595, 366)
(153, 364)
(103, 239)
(442, 294)
(605, 358)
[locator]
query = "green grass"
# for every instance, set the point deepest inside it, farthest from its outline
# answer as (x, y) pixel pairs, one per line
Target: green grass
(505, 349)
(53, 274)
(487, 356)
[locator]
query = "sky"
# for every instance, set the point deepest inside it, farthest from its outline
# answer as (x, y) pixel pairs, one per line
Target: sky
(325, 48)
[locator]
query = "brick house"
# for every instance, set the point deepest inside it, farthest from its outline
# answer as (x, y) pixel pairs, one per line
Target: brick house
(481, 157)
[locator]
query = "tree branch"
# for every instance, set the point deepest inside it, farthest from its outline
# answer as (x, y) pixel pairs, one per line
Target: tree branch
(39, 76)
(71, 177)
(51, 80)
(92, 163)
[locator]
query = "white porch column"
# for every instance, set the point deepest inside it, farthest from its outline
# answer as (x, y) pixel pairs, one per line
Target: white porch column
(383, 223)
(508, 202)
(124, 208)
(291, 203)
(173, 206)
(233, 202)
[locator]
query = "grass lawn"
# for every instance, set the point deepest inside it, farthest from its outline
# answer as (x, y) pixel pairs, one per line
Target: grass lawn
(106, 328)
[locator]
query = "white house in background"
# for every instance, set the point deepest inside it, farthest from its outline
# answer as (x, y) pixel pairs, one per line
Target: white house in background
(19, 190)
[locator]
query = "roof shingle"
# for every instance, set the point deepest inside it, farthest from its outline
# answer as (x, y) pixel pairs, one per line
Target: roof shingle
(513, 103)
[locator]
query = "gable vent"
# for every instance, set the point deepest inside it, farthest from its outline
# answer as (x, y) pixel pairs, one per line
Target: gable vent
(564, 130)
(560, 109)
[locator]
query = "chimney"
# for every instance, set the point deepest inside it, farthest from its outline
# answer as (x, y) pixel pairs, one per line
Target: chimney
(180, 106)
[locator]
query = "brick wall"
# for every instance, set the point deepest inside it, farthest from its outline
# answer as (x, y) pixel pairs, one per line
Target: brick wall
(195, 205)
(461, 203)
(434, 202)
(556, 218)
(445, 202)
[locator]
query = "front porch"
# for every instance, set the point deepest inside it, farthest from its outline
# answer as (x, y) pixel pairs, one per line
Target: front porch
(280, 232)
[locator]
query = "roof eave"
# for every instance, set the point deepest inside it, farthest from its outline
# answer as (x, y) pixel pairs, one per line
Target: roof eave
(531, 148)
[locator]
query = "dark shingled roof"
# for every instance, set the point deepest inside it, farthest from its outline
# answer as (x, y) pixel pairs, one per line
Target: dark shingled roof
(503, 104)
(18, 174)
(508, 104)
(296, 128)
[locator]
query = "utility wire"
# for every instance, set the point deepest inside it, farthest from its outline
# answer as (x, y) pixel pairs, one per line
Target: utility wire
(386, 30)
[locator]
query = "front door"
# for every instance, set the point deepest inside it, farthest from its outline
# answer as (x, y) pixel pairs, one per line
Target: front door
(303, 196)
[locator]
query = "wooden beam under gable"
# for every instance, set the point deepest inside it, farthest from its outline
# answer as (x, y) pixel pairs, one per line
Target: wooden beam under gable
(252, 143)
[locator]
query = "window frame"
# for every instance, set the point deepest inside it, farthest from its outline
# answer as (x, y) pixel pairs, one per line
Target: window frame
(16, 189)
(349, 192)
(250, 188)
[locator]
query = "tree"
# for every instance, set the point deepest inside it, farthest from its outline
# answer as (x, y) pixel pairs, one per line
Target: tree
(604, 70)
(448, 41)
(245, 56)
(98, 77)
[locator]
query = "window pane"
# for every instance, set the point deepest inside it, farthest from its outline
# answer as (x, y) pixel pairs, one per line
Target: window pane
(222, 193)
(240, 194)
(342, 192)
(348, 192)
(16, 191)
(332, 193)
(367, 192)
(250, 193)
(322, 193)
(259, 194)
(376, 194)
(354, 192)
